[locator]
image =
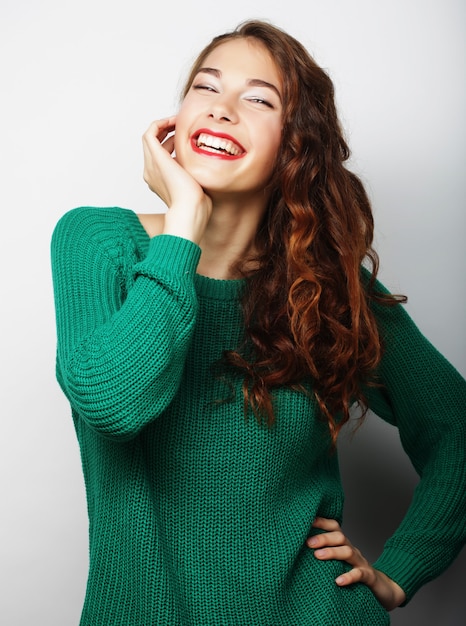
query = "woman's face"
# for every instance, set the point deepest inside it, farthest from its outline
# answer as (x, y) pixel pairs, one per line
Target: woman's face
(229, 126)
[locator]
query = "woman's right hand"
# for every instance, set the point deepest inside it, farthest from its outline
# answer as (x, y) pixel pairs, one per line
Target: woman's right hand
(189, 207)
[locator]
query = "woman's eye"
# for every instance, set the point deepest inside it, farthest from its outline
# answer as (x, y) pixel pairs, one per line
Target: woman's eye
(261, 101)
(203, 87)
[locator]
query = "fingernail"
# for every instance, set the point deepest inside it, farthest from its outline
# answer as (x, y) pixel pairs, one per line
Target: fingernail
(312, 541)
(340, 580)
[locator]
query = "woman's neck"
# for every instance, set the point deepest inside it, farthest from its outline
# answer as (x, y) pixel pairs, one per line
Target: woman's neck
(229, 239)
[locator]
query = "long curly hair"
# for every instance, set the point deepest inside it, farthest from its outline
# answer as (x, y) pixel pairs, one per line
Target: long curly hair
(306, 307)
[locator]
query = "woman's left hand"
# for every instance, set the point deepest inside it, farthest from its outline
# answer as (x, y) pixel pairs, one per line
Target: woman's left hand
(333, 544)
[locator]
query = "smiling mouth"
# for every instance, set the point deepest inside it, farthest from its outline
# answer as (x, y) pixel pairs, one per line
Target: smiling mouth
(218, 145)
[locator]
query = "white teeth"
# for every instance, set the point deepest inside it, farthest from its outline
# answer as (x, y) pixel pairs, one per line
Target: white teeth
(217, 143)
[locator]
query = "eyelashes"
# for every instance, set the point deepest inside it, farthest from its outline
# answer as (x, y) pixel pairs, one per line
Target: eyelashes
(254, 99)
(261, 101)
(206, 87)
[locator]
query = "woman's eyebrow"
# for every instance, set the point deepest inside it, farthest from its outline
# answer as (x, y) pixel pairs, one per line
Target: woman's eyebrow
(252, 82)
(209, 70)
(258, 82)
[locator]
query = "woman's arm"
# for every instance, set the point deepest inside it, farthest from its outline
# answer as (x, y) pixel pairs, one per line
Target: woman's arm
(425, 397)
(120, 355)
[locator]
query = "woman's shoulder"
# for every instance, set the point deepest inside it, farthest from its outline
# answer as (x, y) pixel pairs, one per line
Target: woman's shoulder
(104, 226)
(89, 231)
(88, 219)
(109, 222)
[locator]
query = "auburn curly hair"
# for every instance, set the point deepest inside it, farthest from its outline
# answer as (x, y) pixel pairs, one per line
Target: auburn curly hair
(306, 307)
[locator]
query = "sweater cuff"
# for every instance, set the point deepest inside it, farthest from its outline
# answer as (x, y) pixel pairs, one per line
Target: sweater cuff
(403, 568)
(168, 254)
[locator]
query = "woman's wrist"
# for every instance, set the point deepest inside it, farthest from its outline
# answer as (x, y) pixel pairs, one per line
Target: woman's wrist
(188, 224)
(398, 596)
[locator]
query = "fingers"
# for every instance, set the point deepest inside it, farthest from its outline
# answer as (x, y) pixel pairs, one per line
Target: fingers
(159, 130)
(169, 144)
(333, 536)
(165, 125)
(326, 524)
(158, 145)
(333, 544)
(340, 553)
(356, 575)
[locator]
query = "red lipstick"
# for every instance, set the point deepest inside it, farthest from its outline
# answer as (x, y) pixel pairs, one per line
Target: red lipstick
(226, 147)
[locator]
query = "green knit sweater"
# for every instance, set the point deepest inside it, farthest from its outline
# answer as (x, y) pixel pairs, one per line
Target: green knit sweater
(197, 515)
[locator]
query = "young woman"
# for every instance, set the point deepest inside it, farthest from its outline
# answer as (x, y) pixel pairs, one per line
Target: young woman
(212, 354)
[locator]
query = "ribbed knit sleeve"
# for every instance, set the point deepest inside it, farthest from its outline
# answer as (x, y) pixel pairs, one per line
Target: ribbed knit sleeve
(425, 397)
(121, 344)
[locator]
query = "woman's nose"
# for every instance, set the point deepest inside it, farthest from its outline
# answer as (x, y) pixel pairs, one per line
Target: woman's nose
(223, 110)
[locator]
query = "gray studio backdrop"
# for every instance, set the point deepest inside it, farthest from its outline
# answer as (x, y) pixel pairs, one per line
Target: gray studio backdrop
(80, 82)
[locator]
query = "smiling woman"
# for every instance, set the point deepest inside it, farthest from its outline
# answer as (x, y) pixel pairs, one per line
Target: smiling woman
(223, 347)
(234, 105)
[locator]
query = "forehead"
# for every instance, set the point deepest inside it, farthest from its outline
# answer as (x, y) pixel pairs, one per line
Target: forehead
(246, 57)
